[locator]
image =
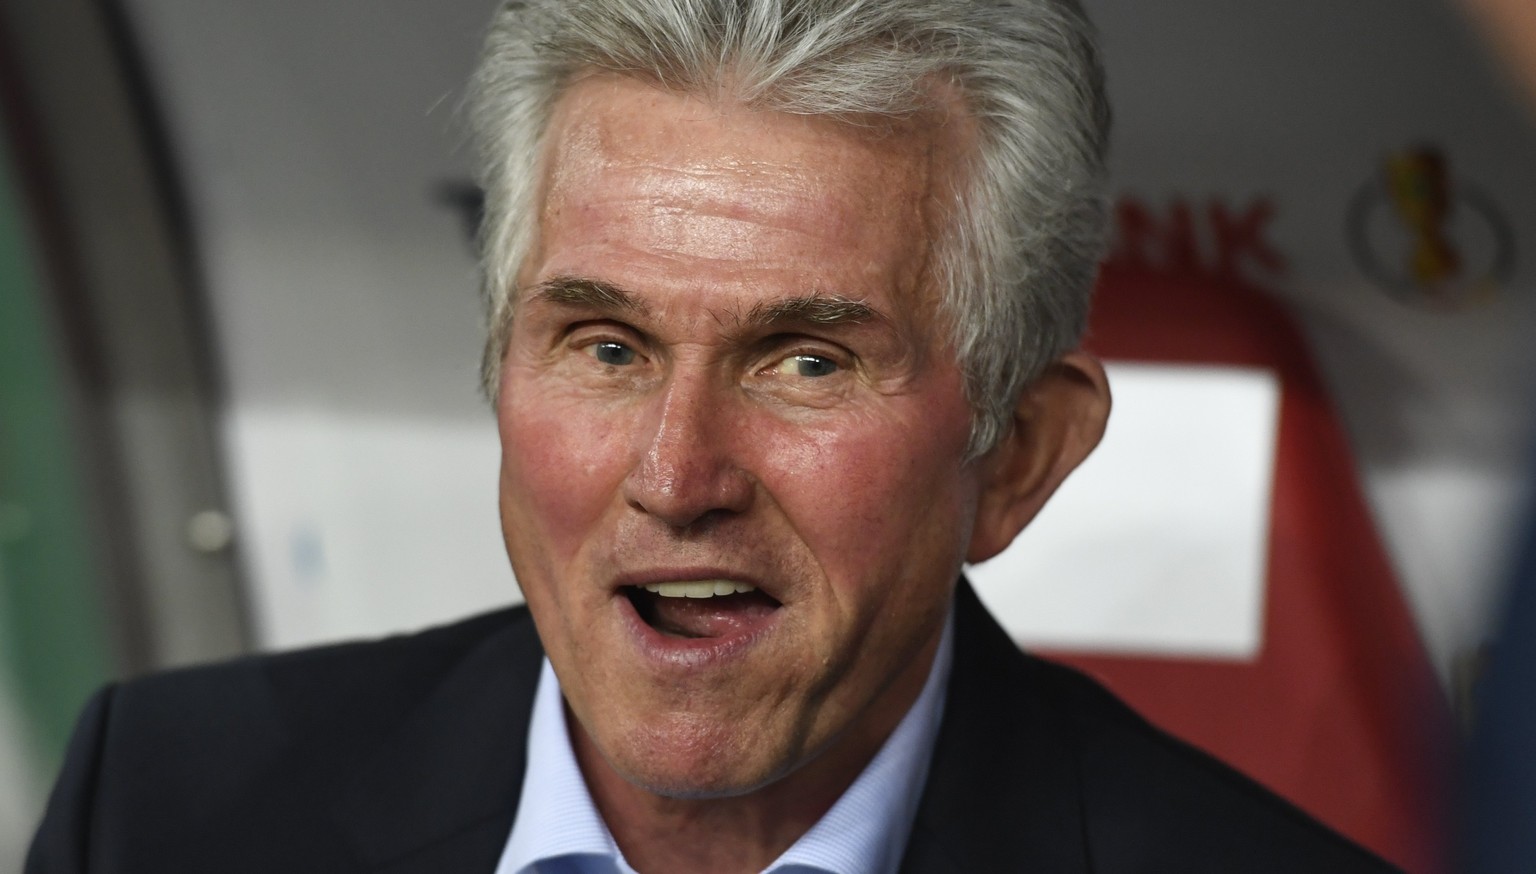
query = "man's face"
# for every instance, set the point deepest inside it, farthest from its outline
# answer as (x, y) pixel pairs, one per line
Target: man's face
(726, 375)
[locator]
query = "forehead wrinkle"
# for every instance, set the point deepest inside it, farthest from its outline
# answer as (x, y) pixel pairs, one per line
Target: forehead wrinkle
(770, 198)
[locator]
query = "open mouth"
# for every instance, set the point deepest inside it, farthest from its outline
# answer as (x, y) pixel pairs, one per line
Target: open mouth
(701, 608)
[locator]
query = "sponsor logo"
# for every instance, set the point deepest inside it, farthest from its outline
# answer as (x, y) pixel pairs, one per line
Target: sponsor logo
(1427, 237)
(1214, 238)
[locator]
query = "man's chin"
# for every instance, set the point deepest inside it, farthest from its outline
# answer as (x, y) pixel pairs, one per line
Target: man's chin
(690, 775)
(682, 788)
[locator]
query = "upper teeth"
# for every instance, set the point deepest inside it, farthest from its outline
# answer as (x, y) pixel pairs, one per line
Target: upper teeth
(698, 589)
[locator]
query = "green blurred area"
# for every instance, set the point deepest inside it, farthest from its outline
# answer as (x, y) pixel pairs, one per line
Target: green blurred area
(53, 647)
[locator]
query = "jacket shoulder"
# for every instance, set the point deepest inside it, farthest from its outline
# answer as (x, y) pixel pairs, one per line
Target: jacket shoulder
(1039, 768)
(1147, 795)
(196, 763)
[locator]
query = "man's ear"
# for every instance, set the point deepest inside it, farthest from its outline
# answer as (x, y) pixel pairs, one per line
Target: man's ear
(1056, 424)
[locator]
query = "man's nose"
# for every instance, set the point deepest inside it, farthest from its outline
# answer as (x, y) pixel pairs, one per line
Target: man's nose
(688, 469)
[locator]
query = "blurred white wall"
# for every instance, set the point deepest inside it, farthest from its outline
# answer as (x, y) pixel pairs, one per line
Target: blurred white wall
(315, 139)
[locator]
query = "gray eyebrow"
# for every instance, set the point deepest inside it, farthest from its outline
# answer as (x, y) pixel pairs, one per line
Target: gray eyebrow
(814, 309)
(588, 293)
(810, 309)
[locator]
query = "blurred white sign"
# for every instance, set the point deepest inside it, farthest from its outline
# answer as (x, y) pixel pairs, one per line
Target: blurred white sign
(1158, 543)
(359, 525)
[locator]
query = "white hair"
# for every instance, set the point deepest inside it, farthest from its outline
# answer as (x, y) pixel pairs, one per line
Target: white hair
(1026, 228)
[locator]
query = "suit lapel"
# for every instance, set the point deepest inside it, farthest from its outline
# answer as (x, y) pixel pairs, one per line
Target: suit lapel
(1003, 792)
(441, 793)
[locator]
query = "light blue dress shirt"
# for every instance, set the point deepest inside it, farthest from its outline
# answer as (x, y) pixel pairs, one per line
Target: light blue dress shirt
(559, 831)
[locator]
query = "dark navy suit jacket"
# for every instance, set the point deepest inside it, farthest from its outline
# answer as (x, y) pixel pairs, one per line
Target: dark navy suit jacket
(405, 756)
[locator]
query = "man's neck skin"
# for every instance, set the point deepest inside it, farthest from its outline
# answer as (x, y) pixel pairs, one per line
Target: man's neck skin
(742, 834)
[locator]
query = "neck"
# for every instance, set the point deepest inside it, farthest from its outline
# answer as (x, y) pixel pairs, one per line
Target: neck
(743, 833)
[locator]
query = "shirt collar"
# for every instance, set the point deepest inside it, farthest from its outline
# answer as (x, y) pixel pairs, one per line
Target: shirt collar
(864, 832)
(555, 814)
(867, 829)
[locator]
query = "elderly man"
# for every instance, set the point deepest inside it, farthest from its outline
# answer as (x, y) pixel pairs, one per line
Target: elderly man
(784, 306)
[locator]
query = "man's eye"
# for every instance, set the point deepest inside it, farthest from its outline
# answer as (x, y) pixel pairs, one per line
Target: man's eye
(807, 365)
(616, 354)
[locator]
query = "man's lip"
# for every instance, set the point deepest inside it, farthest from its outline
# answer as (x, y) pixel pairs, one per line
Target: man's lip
(672, 653)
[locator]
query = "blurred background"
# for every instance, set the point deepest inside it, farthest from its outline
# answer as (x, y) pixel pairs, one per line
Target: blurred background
(239, 333)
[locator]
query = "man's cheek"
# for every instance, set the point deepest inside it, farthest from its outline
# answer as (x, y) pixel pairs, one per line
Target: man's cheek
(560, 470)
(839, 484)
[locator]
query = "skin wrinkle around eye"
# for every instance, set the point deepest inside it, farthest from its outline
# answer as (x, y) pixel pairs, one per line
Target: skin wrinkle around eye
(779, 377)
(769, 319)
